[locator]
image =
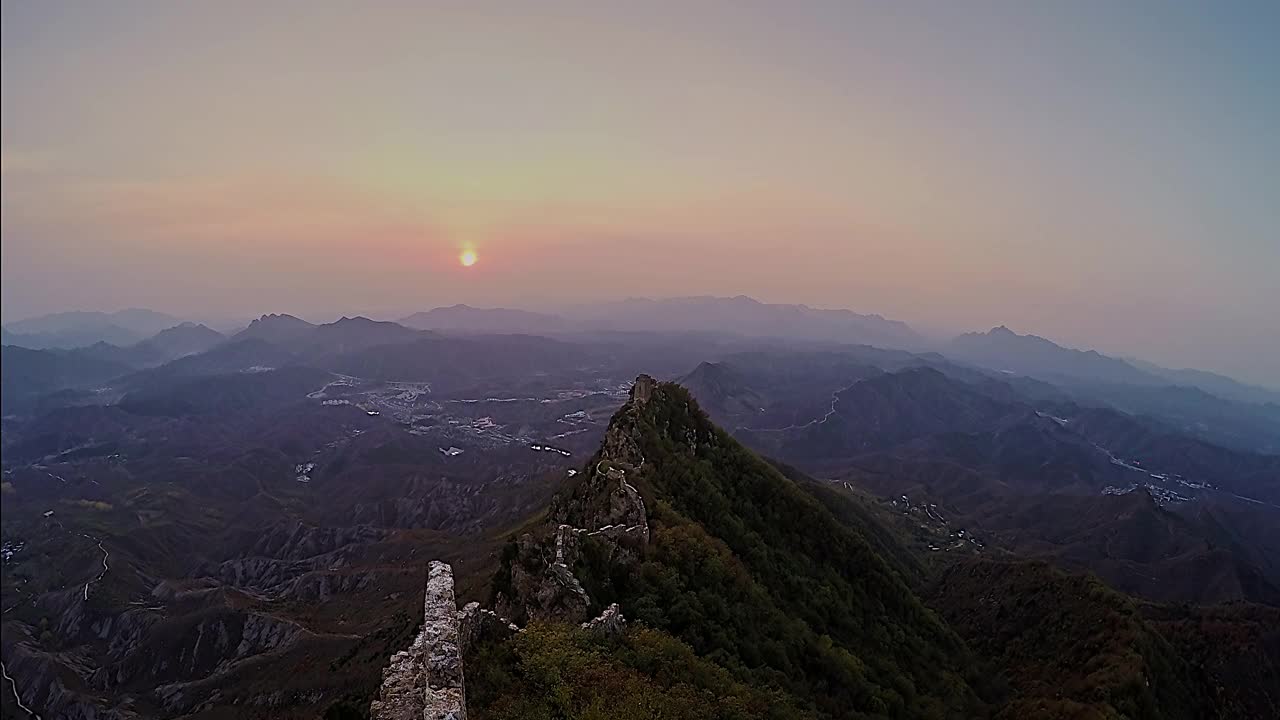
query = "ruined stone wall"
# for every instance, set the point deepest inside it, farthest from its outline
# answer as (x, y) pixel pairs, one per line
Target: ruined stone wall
(642, 390)
(425, 682)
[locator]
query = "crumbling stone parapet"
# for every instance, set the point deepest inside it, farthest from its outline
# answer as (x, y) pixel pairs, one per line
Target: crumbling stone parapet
(425, 682)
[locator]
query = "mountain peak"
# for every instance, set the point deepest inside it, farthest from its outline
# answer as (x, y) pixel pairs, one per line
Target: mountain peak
(722, 390)
(649, 400)
(278, 318)
(275, 327)
(358, 320)
(1002, 349)
(186, 327)
(707, 369)
(672, 506)
(183, 339)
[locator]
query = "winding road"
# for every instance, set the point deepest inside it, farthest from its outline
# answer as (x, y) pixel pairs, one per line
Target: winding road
(105, 566)
(16, 697)
(835, 399)
(4, 668)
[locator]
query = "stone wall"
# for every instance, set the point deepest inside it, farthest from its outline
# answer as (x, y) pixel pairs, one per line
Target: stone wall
(425, 682)
(642, 390)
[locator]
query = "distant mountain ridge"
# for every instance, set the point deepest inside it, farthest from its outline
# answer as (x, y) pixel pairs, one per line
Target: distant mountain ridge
(721, 389)
(138, 320)
(82, 328)
(1211, 406)
(348, 334)
(465, 318)
(1211, 382)
(1026, 471)
(170, 344)
(1002, 349)
(184, 339)
(30, 373)
(887, 410)
(742, 315)
(275, 327)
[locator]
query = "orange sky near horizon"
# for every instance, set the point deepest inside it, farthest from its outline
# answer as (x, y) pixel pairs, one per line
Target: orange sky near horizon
(1064, 171)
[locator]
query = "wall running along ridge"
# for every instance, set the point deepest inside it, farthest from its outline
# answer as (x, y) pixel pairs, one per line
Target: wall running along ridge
(425, 682)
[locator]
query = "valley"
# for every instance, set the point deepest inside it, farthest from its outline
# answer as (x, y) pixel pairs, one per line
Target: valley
(190, 513)
(245, 531)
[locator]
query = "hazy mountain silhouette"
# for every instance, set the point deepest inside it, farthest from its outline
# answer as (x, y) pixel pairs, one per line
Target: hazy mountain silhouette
(1002, 349)
(179, 340)
(722, 390)
(30, 373)
(464, 318)
(742, 315)
(351, 334)
(81, 328)
(1219, 385)
(275, 328)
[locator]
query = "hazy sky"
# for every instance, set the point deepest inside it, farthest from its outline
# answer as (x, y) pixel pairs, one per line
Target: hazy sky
(1103, 173)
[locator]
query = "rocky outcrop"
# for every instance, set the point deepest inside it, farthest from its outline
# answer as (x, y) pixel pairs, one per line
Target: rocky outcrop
(621, 444)
(477, 624)
(541, 582)
(603, 513)
(610, 623)
(426, 681)
(606, 496)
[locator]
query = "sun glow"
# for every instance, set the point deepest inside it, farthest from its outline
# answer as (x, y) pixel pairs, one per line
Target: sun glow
(468, 258)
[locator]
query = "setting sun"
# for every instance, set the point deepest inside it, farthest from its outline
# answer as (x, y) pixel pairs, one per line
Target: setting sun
(468, 258)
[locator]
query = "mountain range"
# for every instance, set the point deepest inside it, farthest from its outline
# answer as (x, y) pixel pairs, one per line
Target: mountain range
(1023, 464)
(1239, 415)
(738, 590)
(824, 541)
(464, 318)
(1002, 349)
(746, 316)
(1006, 351)
(999, 348)
(80, 328)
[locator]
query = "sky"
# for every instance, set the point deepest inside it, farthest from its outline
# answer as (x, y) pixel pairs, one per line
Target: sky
(1104, 174)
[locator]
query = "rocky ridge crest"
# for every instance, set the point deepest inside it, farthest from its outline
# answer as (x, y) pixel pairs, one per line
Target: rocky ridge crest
(605, 508)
